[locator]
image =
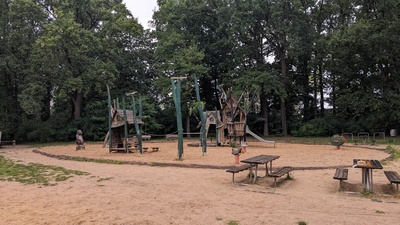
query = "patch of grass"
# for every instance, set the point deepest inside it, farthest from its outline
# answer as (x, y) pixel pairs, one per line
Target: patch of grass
(60, 177)
(218, 218)
(379, 212)
(393, 151)
(310, 140)
(233, 222)
(83, 159)
(34, 173)
(301, 222)
(367, 193)
(106, 178)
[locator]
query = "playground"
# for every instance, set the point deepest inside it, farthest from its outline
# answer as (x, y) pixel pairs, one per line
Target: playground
(156, 188)
(135, 179)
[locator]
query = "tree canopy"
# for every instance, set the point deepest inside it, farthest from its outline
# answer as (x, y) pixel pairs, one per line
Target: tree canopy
(319, 67)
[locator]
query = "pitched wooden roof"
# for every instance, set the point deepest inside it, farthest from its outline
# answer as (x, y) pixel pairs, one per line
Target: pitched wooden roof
(118, 118)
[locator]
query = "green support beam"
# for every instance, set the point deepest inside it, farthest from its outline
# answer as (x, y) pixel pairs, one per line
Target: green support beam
(176, 93)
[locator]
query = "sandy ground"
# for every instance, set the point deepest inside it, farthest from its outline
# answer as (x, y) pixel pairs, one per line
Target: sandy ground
(148, 194)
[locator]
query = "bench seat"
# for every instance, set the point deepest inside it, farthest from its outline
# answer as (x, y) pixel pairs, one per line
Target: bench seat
(393, 177)
(280, 172)
(168, 136)
(341, 174)
(237, 169)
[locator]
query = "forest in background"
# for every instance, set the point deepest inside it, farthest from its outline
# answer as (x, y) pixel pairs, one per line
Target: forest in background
(317, 67)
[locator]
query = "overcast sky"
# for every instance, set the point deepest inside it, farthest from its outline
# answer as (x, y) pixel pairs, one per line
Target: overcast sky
(142, 9)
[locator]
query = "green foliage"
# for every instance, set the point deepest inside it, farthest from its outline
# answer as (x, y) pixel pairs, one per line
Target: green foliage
(394, 151)
(56, 58)
(317, 127)
(233, 222)
(367, 193)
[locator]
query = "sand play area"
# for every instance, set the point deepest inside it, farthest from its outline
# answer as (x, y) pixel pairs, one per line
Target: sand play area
(156, 189)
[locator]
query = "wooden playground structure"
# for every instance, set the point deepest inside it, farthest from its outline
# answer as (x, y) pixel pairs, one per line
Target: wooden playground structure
(119, 141)
(230, 122)
(120, 122)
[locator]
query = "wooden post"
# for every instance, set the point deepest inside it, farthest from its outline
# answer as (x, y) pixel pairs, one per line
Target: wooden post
(138, 133)
(110, 115)
(141, 118)
(176, 93)
(125, 126)
(216, 126)
(203, 123)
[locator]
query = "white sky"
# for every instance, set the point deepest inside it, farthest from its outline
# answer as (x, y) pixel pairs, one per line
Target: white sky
(142, 10)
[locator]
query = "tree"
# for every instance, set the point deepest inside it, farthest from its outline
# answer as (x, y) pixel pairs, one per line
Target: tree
(76, 49)
(21, 22)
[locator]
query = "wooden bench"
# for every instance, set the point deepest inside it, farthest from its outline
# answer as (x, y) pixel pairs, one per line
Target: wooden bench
(237, 169)
(282, 171)
(8, 142)
(1, 142)
(393, 177)
(341, 174)
(168, 136)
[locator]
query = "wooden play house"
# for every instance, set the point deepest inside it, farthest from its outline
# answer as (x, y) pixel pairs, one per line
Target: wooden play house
(229, 122)
(119, 118)
(233, 120)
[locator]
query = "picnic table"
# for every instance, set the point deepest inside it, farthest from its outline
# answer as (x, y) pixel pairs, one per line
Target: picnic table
(260, 159)
(367, 166)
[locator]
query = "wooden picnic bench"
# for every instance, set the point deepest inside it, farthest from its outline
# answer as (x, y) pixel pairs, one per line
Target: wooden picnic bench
(280, 172)
(237, 169)
(2, 142)
(341, 174)
(393, 177)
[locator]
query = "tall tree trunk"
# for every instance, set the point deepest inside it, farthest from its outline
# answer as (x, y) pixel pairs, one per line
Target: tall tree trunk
(78, 105)
(264, 111)
(315, 92)
(304, 73)
(188, 126)
(283, 103)
(45, 113)
(321, 89)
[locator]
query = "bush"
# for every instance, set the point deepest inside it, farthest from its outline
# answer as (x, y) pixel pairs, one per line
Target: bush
(317, 127)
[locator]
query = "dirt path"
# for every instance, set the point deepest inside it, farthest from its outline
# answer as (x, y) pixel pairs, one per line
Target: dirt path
(133, 194)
